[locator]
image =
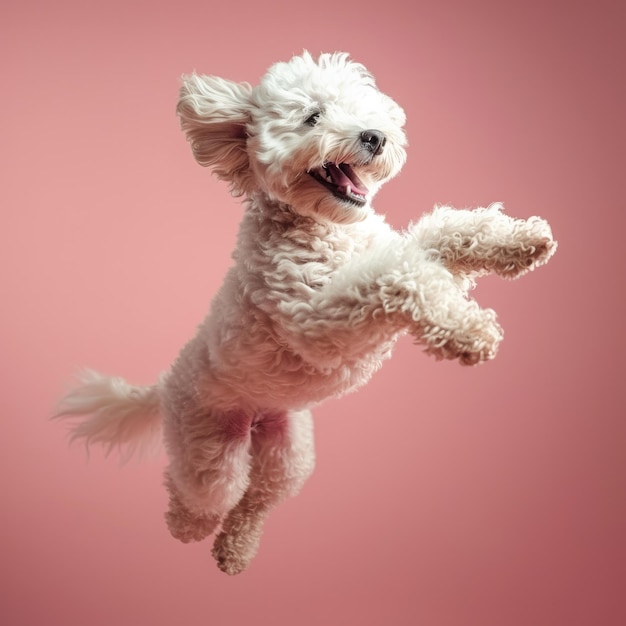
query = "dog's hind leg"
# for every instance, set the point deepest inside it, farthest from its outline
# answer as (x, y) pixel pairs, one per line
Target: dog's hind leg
(208, 472)
(283, 458)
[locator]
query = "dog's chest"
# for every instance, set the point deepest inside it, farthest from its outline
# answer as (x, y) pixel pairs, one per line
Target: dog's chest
(300, 261)
(257, 334)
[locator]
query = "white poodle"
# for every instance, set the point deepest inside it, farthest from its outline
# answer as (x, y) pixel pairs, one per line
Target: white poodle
(320, 289)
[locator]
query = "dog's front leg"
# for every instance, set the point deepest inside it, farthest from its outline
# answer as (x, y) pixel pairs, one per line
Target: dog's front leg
(485, 240)
(433, 306)
(373, 298)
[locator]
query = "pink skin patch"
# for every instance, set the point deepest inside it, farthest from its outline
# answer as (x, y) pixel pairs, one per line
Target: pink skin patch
(270, 425)
(238, 425)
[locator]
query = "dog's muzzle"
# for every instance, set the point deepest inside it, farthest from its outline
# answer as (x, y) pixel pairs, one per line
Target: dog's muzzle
(374, 141)
(341, 179)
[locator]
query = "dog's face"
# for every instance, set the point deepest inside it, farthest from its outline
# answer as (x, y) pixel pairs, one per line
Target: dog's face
(315, 135)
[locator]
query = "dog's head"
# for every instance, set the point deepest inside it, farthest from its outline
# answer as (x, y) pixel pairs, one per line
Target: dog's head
(316, 135)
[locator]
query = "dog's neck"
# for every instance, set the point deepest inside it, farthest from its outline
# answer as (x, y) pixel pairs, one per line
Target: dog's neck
(284, 216)
(277, 229)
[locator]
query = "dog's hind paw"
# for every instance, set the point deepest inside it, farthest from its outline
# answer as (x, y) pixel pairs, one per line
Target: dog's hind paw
(234, 553)
(187, 527)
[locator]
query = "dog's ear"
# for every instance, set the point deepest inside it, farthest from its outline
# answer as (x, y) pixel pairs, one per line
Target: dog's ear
(213, 114)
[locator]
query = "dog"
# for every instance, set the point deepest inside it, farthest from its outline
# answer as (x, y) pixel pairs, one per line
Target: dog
(320, 290)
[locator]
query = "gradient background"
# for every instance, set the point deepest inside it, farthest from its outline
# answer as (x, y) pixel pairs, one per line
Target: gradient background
(443, 496)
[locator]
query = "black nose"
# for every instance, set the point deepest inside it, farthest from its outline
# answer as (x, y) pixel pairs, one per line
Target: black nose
(374, 141)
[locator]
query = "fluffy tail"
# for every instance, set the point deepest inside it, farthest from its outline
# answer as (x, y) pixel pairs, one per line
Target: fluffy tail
(112, 413)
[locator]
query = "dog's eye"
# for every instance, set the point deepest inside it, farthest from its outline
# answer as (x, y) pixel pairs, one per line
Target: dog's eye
(313, 118)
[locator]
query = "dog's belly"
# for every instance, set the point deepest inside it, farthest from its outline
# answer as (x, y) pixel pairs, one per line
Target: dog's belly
(269, 370)
(260, 374)
(291, 382)
(248, 353)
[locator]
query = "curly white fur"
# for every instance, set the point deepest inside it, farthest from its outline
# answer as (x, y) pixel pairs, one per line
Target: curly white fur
(319, 292)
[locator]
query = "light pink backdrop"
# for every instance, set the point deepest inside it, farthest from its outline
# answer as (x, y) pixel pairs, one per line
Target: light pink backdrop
(443, 496)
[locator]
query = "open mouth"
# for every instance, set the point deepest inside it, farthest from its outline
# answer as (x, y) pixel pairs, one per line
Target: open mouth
(342, 180)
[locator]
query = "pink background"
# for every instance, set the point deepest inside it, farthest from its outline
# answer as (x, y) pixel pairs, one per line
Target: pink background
(443, 496)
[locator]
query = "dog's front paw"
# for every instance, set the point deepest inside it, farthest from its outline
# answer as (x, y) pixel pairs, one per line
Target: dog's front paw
(482, 347)
(531, 245)
(474, 342)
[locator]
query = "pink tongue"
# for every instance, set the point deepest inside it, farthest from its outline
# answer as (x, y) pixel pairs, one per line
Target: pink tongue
(344, 176)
